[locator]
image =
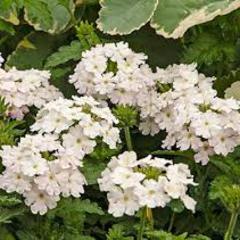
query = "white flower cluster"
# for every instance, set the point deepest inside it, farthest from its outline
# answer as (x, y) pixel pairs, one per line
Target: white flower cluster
(192, 114)
(80, 121)
(177, 99)
(153, 182)
(34, 169)
(25, 88)
(113, 71)
(46, 165)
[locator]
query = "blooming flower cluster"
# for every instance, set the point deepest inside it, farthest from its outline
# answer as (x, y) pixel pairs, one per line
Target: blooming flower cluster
(151, 182)
(46, 165)
(177, 99)
(192, 114)
(24, 88)
(113, 71)
(34, 169)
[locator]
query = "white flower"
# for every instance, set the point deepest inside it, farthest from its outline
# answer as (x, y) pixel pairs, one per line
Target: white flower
(14, 182)
(26, 88)
(71, 183)
(77, 142)
(40, 201)
(126, 178)
(35, 166)
(121, 202)
(151, 193)
(153, 182)
(189, 202)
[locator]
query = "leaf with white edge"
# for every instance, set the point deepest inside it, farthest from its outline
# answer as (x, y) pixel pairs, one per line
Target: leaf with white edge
(123, 17)
(65, 54)
(233, 91)
(9, 10)
(49, 16)
(173, 18)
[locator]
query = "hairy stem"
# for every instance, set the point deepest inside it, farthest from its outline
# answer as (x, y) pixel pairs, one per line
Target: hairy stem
(149, 216)
(142, 224)
(128, 138)
(187, 154)
(231, 226)
(171, 222)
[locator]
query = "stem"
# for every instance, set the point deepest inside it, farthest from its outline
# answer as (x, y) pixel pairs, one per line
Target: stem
(149, 216)
(231, 226)
(128, 138)
(171, 222)
(142, 225)
(187, 154)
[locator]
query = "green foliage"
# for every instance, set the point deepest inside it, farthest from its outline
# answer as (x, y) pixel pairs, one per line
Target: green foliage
(127, 116)
(161, 235)
(229, 193)
(117, 233)
(87, 35)
(136, 13)
(65, 54)
(170, 18)
(50, 35)
(208, 49)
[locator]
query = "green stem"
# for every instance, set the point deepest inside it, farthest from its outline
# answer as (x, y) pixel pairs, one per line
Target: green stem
(187, 154)
(231, 226)
(171, 222)
(128, 138)
(142, 225)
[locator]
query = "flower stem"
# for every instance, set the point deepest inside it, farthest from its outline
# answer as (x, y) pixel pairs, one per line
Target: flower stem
(142, 224)
(149, 216)
(171, 222)
(128, 138)
(231, 226)
(187, 154)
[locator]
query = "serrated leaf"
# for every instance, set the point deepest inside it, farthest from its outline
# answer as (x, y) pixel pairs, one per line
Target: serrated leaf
(173, 18)
(77, 206)
(49, 16)
(65, 54)
(123, 17)
(7, 214)
(92, 170)
(7, 201)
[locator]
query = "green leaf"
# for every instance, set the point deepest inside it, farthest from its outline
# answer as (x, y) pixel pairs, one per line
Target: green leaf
(65, 54)
(7, 201)
(32, 51)
(173, 18)
(123, 17)
(7, 214)
(49, 16)
(76, 206)
(176, 206)
(6, 27)
(92, 170)
(208, 49)
(9, 10)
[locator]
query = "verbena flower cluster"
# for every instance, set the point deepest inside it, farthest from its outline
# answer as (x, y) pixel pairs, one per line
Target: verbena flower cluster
(152, 182)
(192, 114)
(25, 88)
(113, 71)
(46, 165)
(178, 99)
